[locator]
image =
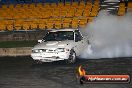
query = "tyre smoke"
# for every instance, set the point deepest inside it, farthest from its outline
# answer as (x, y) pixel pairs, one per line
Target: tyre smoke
(109, 36)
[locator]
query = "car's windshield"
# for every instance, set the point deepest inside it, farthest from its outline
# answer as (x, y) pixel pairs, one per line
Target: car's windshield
(59, 36)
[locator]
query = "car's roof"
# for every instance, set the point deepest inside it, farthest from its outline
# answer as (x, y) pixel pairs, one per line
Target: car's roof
(54, 30)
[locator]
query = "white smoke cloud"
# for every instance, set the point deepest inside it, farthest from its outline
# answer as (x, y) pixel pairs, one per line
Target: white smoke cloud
(110, 36)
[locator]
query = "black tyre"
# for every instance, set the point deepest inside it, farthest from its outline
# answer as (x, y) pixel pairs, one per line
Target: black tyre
(72, 57)
(38, 62)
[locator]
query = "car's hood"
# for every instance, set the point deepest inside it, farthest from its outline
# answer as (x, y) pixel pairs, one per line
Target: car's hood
(54, 44)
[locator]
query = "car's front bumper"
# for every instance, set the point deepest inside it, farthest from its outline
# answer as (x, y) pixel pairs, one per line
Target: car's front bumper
(50, 57)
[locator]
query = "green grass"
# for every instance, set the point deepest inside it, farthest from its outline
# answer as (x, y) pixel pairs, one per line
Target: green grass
(13, 44)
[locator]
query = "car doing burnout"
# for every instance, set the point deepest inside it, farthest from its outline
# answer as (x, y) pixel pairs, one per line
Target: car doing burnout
(61, 44)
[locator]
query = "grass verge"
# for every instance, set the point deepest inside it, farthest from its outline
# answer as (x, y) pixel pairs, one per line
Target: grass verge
(14, 44)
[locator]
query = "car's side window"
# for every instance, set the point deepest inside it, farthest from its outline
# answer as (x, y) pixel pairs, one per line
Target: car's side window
(78, 36)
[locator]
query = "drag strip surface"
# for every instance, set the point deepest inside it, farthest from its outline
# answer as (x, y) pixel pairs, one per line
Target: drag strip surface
(21, 72)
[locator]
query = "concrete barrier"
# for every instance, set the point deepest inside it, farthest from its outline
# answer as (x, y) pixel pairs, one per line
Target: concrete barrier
(22, 51)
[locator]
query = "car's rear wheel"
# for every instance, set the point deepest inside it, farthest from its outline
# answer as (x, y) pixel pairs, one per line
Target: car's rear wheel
(72, 57)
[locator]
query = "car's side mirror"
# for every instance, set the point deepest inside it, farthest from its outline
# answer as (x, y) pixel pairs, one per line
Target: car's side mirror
(39, 41)
(77, 39)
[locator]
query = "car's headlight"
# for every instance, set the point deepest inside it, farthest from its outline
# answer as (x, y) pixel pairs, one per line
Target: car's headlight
(61, 50)
(35, 51)
(38, 50)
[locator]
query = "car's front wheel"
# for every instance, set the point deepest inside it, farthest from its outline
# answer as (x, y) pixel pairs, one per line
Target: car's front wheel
(38, 62)
(72, 57)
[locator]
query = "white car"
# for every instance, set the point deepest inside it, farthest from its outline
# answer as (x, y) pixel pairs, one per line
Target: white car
(61, 44)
